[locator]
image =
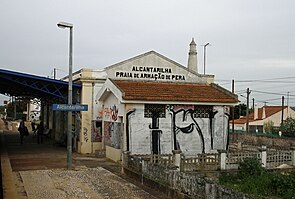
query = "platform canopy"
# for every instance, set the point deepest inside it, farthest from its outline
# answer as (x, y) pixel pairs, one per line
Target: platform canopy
(31, 86)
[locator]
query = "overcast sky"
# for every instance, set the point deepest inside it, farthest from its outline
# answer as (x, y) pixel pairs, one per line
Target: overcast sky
(250, 39)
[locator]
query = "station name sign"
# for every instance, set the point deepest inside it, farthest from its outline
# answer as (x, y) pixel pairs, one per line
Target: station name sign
(151, 73)
(69, 107)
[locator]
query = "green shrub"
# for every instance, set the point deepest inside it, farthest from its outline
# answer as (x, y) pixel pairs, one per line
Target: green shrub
(250, 167)
(288, 127)
(253, 179)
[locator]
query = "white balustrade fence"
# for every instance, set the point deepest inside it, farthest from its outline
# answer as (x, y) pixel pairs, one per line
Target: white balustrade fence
(223, 160)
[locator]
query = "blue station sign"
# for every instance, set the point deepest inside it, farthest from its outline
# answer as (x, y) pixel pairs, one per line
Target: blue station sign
(69, 107)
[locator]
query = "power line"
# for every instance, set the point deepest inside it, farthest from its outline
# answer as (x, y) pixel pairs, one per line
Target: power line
(271, 93)
(257, 80)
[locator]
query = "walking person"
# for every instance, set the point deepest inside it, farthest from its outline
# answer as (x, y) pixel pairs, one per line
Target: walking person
(40, 132)
(22, 130)
(33, 128)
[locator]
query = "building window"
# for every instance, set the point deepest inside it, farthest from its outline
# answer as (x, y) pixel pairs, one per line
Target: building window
(150, 110)
(202, 111)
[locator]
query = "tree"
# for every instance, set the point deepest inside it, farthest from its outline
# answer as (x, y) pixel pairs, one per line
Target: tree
(240, 110)
(21, 106)
(288, 127)
(268, 126)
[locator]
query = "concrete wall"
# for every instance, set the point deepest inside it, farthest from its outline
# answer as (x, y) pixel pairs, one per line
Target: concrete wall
(259, 140)
(113, 154)
(84, 144)
(113, 127)
(153, 66)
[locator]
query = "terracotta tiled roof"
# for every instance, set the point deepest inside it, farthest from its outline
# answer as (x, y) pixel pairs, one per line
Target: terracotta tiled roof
(242, 120)
(163, 91)
(269, 111)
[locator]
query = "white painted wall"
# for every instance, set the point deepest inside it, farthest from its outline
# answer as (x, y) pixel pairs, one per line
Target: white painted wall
(190, 143)
(97, 105)
(220, 129)
(154, 60)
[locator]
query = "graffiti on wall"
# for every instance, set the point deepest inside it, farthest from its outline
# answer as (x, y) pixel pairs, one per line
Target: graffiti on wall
(99, 115)
(190, 128)
(112, 134)
(183, 121)
(111, 113)
(114, 112)
(96, 131)
(155, 112)
(85, 130)
(107, 114)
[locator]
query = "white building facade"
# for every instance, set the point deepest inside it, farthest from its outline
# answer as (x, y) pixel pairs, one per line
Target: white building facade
(150, 104)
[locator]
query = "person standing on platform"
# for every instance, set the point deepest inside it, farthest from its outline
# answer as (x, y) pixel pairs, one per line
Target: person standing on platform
(33, 127)
(22, 130)
(40, 132)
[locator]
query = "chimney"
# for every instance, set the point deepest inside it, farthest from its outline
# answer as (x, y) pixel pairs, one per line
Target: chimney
(192, 57)
(263, 113)
(255, 113)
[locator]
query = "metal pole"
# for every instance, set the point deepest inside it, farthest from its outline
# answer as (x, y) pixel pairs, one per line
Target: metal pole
(205, 56)
(54, 73)
(69, 141)
(253, 104)
(14, 107)
(233, 108)
(69, 133)
(282, 119)
(247, 111)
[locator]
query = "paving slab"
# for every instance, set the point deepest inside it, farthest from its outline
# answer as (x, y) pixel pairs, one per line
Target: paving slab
(39, 171)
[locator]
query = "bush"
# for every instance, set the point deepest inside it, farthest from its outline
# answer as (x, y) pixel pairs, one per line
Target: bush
(268, 127)
(253, 179)
(288, 127)
(250, 167)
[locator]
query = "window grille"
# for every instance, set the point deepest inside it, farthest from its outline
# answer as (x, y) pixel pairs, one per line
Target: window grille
(151, 110)
(202, 111)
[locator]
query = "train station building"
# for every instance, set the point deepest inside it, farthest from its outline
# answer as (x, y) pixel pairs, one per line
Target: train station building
(147, 104)
(150, 104)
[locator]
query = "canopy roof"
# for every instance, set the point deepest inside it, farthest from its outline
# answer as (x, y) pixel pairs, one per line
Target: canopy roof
(26, 85)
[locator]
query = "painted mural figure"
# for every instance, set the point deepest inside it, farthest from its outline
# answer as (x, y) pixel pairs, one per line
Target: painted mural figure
(202, 125)
(184, 122)
(154, 126)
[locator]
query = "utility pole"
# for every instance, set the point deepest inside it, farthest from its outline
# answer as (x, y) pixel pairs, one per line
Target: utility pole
(233, 108)
(54, 73)
(14, 106)
(205, 57)
(282, 109)
(253, 104)
(247, 111)
(288, 102)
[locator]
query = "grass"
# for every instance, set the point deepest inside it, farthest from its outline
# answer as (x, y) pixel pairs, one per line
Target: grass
(254, 180)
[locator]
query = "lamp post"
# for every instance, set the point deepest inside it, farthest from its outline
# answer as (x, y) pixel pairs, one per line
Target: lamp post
(205, 56)
(65, 25)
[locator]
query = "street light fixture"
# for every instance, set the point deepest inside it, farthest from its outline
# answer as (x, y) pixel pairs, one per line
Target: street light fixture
(205, 56)
(65, 25)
